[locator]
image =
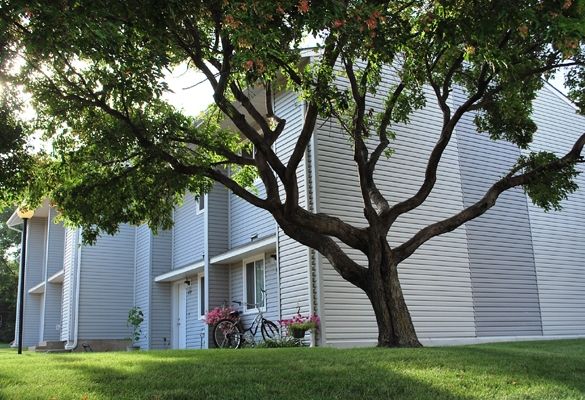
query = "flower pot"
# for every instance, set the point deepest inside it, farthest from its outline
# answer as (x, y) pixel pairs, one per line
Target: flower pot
(298, 333)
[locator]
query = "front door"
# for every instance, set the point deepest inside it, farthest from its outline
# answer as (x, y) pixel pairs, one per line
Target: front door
(180, 316)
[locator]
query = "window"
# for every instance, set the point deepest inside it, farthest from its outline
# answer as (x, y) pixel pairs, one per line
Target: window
(254, 283)
(201, 295)
(201, 204)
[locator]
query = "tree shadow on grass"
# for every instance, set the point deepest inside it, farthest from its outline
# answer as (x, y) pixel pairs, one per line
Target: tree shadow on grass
(249, 379)
(523, 371)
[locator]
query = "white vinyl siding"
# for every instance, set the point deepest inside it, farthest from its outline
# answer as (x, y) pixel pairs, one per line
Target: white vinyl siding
(68, 300)
(436, 280)
(248, 221)
(188, 234)
(503, 273)
(559, 236)
(35, 268)
(107, 286)
(293, 257)
(236, 291)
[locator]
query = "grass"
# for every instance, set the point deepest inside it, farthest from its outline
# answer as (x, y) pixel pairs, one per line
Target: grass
(523, 370)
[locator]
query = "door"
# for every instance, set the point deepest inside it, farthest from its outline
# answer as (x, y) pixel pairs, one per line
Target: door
(180, 316)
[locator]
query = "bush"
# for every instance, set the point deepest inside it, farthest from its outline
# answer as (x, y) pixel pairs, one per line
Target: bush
(285, 341)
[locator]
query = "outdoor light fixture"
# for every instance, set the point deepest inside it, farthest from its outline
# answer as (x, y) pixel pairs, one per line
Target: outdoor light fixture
(25, 215)
(187, 282)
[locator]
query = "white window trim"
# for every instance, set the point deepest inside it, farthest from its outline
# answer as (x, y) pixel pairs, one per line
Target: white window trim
(197, 202)
(258, 257)
(199, 276)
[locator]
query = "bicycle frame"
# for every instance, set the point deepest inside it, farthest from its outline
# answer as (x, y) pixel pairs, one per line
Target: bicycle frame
(256, 323)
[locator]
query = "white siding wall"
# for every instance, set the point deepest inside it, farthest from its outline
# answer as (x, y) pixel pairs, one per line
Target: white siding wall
(53, 291)
(218, 200)
(107, 286)
(142, 293)
(293, 257)
(35, 262)
(160, 302)
(436, 280)
(247, 220)
(503, 274)
(559, 237)
(195, 325)
(68, 301)
(236, 291)
(188, 234)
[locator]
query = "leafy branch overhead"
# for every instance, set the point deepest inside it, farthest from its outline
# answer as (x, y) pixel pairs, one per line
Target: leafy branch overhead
(97, 73)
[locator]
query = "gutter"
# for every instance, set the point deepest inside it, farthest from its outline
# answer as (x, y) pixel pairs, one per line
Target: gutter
(14, 229)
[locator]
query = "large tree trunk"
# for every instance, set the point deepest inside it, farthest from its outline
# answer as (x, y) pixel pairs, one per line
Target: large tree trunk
(395, 328)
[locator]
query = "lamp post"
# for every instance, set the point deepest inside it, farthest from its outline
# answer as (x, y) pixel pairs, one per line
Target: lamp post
(25, 215)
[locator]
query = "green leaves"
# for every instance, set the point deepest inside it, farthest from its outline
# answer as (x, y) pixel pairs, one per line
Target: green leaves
(551, 186)
(96, 73)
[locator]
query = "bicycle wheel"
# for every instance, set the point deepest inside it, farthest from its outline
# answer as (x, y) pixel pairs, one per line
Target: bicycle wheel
(269, 330)
(226, 335)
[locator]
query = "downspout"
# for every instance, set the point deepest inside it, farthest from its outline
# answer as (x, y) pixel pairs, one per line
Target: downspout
(74, 345)
(317, 288)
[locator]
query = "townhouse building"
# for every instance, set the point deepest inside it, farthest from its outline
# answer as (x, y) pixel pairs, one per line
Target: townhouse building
(514, 273)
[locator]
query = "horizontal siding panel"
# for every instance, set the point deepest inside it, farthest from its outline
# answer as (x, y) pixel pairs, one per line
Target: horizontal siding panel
(188, 233)
(559, 237)
(107, 286)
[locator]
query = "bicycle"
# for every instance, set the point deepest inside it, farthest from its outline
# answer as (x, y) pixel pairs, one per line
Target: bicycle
(229, 333)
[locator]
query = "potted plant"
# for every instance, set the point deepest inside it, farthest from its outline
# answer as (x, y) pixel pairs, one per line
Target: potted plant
(298, 325)
(135, 319)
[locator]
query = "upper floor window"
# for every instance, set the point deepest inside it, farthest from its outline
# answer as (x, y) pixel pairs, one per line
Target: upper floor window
(254, 283)
(201, 204)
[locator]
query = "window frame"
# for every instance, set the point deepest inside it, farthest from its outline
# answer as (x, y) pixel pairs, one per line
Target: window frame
(253, 259)
(198, 208)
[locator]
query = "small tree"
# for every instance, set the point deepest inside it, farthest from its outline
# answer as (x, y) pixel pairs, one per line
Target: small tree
(96, 72)
(135, 320)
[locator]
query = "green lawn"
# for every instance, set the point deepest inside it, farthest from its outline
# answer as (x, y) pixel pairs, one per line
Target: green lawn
(528, 370)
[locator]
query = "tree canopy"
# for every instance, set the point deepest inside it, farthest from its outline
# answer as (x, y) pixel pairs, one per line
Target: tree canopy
(9, 239)
(96, 73)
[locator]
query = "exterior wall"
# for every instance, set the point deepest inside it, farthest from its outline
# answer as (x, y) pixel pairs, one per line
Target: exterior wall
(436, 280)
(559, 236)
(52, 312)
(503, 275)
(69, 284)
(55, 245)
(247, 221)
(217, 209)
(53, 291)
(196, 328)
(236, 291)
(160, 301)
(107, 286)
(35, 261)
(143, 278)
(188, 234)
(293, 257)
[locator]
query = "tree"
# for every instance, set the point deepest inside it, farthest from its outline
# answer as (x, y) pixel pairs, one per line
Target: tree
(9, 239)
(96, 72)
